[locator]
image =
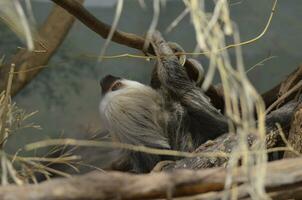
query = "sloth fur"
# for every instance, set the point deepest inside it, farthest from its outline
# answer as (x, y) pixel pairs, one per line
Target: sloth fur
(172, 113)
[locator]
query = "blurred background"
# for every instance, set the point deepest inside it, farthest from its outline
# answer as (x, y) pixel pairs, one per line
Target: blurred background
(67, 93)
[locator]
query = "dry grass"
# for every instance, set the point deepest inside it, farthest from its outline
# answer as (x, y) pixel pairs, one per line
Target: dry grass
(19, 169)
(15, 168)
(18, 19)
(242, 100)
(118, 12)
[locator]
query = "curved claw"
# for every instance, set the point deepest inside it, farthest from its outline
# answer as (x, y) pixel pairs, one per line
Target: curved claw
(178, 49)
(199, 70)
(196, 71)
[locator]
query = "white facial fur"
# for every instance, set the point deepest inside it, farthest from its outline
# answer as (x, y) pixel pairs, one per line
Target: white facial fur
(134, 114)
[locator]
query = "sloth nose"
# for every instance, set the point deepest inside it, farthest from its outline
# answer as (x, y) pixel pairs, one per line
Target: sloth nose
(107, 82)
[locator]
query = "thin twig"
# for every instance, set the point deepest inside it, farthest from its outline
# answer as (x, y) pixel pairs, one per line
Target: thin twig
(133, 40)
(284, 96)
(74, 142)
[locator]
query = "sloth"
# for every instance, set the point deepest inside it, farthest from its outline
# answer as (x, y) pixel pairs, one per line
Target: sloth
(172, 113)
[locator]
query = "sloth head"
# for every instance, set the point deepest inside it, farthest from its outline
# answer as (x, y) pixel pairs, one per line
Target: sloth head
(133, 113)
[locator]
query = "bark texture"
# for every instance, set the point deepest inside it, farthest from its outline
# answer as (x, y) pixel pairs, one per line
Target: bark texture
(283, 181)
(226, 142)
(295, 133)
(30, 63)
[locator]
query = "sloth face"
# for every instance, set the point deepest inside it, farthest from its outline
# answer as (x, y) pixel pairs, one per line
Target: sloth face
(133, 113)
(110, 83)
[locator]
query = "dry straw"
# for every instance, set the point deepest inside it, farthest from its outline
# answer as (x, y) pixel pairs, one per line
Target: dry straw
(15, 168)
(13, 14)
(241, 99)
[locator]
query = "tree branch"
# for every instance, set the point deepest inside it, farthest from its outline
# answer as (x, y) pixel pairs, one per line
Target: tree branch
(226, 142)
(127, 39)
(290, 81)
(29, 64)
(295, 133)
(282, 176)
(270, 96)
(101, 28)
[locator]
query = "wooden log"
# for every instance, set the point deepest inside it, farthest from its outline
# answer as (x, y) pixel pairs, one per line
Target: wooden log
(226, 142)
(282, 178)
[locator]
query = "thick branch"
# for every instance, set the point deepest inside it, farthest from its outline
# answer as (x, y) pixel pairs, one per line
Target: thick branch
(101, 28)
(295, 133)
(127, 39)
(282, 176)
(272, 95)
(226, 142)
(29, 64)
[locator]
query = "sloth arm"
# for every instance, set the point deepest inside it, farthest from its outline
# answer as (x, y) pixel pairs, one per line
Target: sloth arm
(206, 122)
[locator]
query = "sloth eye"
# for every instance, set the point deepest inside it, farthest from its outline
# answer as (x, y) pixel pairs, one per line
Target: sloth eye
(117, 85)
